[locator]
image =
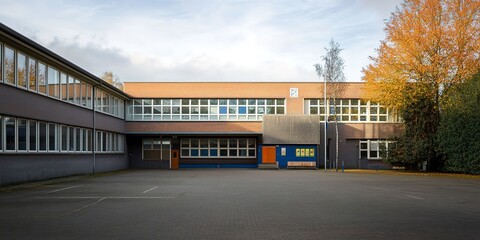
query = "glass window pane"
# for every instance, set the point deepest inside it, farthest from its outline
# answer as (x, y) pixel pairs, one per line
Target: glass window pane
(204, 152)
(242, 143)
(9, 133)
(223, 110)
(33, 135)
(232, 143)
(22, 134)
(242, 152)
(242, 110)
(53, 82)
(9, 63)
(204, 143)
(270, 101)
(232, 110)
(32, 74)
(194, 102)
(42, 78)
(71, 139)
(213, 143)
(232, 152)
(280, 110)
(64, 141)
(185, 152)
(194, 143)
(52, 137)
(195, 110)
(223, 143)
(22, 70)
(270, 110)
(213, 152)
(251, 152)
(194, 152)
(280, 101)
(223, 152)
(42, 129)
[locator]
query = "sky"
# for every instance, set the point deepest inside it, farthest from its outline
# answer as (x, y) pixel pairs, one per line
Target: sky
(196, 40)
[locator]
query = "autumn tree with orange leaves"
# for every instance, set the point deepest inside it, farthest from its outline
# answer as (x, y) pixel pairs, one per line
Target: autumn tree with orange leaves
(430, 46)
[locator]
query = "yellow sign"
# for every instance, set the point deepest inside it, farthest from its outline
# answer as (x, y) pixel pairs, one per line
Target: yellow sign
(302, 152)
(297, 152)
(312, 152)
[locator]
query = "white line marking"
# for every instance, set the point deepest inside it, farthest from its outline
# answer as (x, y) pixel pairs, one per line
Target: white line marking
(62, 189)
(88, 205)
(148, 190)
(414, 197)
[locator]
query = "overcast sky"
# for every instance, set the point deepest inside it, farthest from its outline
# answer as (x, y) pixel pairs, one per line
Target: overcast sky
(214, 40)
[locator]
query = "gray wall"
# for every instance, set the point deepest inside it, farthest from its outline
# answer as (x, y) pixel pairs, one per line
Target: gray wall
(291, 129)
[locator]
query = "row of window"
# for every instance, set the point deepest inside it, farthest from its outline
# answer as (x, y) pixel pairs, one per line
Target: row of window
(109, 104)
(203, 109)
(372, 149)
(218, 148)
(25, 72)
(349, 110)
(26, 135)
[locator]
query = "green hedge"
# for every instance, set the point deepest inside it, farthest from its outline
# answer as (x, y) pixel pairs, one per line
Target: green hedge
(458, 136)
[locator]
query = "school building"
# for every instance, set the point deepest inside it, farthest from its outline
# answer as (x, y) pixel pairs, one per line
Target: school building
(56, 119)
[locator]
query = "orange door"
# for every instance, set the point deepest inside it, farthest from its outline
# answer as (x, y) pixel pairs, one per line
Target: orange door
(175, 159)
(268, 155)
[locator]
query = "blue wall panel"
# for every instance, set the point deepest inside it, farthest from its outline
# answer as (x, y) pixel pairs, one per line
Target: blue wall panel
(290, 154)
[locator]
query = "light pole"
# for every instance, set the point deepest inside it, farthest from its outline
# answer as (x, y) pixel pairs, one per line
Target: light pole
(325, 130)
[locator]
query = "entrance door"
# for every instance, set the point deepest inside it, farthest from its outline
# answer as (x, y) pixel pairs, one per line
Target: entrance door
(269, 155)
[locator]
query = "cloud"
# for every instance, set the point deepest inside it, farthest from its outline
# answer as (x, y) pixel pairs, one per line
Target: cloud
(203, 40)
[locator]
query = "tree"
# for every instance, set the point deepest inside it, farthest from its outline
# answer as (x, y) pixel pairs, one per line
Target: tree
(112, 79)
(458, 132)
(430, 46)
(332, 72)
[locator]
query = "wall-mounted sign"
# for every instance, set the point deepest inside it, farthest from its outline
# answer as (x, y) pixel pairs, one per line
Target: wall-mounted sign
(304, 152)
(294, 92)
(284, 151)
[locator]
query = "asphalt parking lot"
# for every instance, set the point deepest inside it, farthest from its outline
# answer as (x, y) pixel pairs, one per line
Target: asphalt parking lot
(244, 204)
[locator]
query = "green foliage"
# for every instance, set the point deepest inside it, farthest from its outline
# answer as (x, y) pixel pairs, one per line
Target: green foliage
(417, 144)
(459, 131)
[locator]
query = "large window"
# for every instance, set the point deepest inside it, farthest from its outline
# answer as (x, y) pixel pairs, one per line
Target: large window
(107, 103)
(156, 149)
(218, 148)
(10, 134)
(22, 70)
(203, 109)
(25, 72)
(9, 65)
(24, 135)
(372, 149)
(349, 110)
(108, 142)
(32, 74)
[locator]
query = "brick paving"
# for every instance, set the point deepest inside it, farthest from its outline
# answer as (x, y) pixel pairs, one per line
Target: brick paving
(244, 204)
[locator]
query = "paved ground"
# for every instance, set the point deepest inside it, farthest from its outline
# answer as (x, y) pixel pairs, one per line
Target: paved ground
(244, 204)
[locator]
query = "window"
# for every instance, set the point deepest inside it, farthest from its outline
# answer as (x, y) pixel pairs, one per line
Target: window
(203, 109)
(53, 82)
(42, 78)
(77, 89)
(1, 71)
(22, 70)
(78, 140)
(32, 74)
(63, 87)
(372, 149)
(10, 134)
(52, 137)
(64, 141)
(32, 125)
(22, 134)
(349, 110)
(71, 139)
(1, 126)
(9, 65)
(218, 148)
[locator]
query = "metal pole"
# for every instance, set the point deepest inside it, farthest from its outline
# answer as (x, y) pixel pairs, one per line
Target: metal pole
(325, 130)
